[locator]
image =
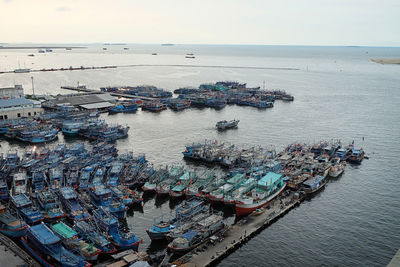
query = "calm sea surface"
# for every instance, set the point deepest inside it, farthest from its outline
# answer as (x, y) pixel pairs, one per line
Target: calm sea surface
(339, 94)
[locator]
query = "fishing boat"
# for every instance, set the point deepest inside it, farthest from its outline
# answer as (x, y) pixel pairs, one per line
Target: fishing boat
(198, 234)
(337, 169)
(178, 104)
(37, 136)
(357, 155)
(38, 180)
(84, 177)
(314, 184)
(123, 108)
(69, 199)
(10, 225)
(183, 215)
(4, 192)
(46, 247)
(121, 196)
(25, 207)
(183, 182)
(157, 177)
(122, 237)
(98, 176)
(71, 127)
(223, 125)
(114, 173)
(102, 197)
(55, 178)
(165, 186)
(89, 232)
(231, 184)
(203, 180)
(154, 106)
(216, 103)
(72, 242)
(49, 205)
(268, 187)
(19, 185)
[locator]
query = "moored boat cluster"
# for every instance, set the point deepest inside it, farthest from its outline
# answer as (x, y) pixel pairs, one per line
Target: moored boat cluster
(45, 127)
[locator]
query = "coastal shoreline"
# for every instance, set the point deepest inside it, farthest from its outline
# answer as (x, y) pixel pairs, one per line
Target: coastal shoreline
(386, 60)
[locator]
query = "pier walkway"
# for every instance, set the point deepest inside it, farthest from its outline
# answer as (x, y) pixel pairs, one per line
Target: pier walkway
(93, 91)
(15, 256)
(239, 233)
(395, 262)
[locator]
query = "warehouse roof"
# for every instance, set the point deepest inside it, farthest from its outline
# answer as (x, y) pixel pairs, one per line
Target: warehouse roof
(12, 102)
(97, 105)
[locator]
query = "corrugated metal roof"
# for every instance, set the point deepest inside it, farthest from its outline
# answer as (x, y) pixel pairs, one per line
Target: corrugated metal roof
(97, 105)
(5, 103)
(82, 99)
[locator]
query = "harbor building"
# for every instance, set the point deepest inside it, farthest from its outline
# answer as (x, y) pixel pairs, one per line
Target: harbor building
(15, 108)
(87, 101)
(12, 92)
(14, 105)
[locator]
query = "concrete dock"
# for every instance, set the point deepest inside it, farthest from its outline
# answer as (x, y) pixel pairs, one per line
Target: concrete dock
(12, 255)
(93, 91)
(238, 234)
(395, 262)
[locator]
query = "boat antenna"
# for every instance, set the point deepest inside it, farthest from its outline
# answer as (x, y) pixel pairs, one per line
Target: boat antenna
(264, 85)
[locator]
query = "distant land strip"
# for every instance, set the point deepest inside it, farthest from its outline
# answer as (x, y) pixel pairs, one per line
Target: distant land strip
(386, 60)
(40, 47)
(209, 66)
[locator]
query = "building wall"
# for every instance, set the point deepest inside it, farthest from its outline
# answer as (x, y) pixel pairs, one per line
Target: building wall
(12, 92)
(20, 113)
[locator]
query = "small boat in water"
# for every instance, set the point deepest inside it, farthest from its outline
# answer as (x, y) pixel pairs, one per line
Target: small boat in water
(223, 125)
(337, 169)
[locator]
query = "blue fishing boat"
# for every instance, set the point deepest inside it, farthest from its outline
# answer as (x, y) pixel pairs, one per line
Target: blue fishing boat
(314, 184)
(12, 159)
(357, 155)
(46, 247)
(122, 238)
(89, 232)
(50, 205)
(84, 178)
(183, 214)
(121, 196)
(223, 125)
(69, 199)
(38, 180)
(19, 185)
(114, 173)
(10, 225)
(123, 108)
(71, 127)
(25, 207)
(4, 192)
(98, 176)
(55, 178)
(102, 197)
(216, 103)
(37, 136)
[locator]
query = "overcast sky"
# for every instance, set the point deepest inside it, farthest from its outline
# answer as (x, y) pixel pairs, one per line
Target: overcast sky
(303, 22)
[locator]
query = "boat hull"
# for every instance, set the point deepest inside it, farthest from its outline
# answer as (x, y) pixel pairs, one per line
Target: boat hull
(245, 209)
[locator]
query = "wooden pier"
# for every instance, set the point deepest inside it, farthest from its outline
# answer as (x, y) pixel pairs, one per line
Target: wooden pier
(239, 233)
(17, 251)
